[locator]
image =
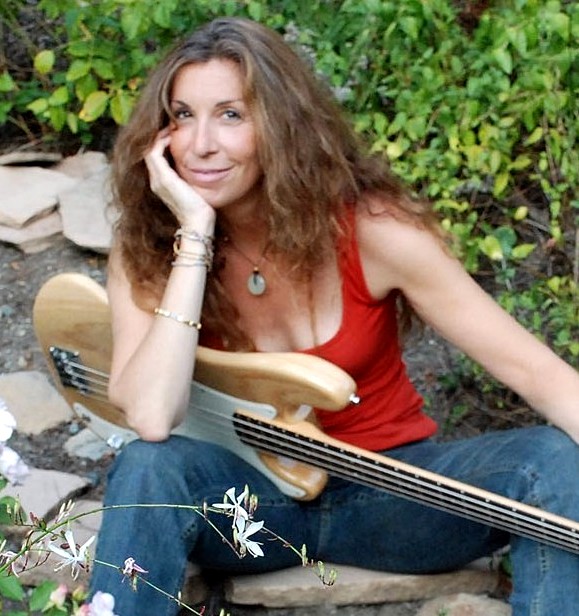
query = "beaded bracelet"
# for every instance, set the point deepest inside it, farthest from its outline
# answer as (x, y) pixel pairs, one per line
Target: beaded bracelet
(177, 317)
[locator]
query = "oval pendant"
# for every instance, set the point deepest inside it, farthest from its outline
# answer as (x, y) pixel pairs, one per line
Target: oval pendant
(256, 283)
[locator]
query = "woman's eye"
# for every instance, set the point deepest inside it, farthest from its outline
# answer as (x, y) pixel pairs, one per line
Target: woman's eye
(231, 114)
(181, 114)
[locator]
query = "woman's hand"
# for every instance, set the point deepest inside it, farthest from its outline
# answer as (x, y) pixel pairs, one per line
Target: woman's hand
(185, 203)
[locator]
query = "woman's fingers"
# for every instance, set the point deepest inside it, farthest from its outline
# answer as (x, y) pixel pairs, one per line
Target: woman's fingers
(179, 197)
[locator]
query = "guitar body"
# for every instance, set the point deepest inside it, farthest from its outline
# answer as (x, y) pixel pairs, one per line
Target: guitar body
(257, 405)
(72, 322)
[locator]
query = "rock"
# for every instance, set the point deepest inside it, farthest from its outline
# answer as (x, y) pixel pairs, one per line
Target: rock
(83, 165)
(86, 444)
(301, 587)
(35, 404)
(83, 528)
(35, 236)
(86, 220)
(463, 604)
(25, 158)
(27, 193)
(43, 492)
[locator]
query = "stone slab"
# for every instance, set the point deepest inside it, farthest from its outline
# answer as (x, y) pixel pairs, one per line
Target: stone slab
(20, 157)
(464, 604)
(34, 402)
(27, 193)
(35, 236)
(299, 587)
(87, 444)
(43, 491)
(82, 528)
(86, 219)
(83, 164)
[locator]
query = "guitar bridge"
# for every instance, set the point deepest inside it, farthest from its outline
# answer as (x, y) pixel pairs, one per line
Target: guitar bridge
(63, 360)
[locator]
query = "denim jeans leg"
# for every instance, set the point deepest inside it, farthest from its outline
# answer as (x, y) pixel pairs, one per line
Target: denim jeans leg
(162, 539)
(538, 466)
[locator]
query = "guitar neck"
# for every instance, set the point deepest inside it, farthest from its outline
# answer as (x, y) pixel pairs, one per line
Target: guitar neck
(306, 444)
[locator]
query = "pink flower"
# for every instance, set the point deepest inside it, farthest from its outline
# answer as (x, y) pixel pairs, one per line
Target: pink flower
(102, 604)
(132, 570)
(57, 596)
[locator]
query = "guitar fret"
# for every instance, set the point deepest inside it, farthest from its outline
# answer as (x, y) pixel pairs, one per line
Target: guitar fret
(393, 478)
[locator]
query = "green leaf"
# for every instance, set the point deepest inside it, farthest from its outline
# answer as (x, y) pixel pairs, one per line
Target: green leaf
(501, 183)
(72, 122)
(504, 59)
(38, 106)
(57, 118)
(94, 106)
(7, 84)
(41, 595)
(559, 23)
(10, 587)
(522, 251)
(103, 68)
(78, 69)
(131, 20)
(84, 86)
(44, 61)
(491, 247)
(535, 136)
(59, 96)
(121, 107)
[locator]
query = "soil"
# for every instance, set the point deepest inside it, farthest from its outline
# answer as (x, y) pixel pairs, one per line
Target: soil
(21, 276)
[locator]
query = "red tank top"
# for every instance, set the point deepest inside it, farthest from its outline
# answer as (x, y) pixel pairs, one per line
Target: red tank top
(367, 347)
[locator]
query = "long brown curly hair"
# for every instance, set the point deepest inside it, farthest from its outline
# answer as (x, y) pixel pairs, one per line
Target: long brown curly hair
(314, 165)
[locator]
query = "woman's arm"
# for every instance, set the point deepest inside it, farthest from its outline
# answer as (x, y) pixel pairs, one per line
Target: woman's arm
(399, 255)
(154, 355)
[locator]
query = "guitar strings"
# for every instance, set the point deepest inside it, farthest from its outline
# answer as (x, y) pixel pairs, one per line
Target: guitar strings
(93, 384)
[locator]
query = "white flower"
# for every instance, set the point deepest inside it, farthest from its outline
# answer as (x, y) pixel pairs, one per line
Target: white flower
(77, 557)
(102, 604)
(12, 466)
(241, 534)
(7, 422)
(234, 508)
(17, 563)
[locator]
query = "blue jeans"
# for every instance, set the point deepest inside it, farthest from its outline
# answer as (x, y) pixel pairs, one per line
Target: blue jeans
(347, 524)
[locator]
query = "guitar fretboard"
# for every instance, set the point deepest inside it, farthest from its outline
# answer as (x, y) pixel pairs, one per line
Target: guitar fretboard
(401, 479)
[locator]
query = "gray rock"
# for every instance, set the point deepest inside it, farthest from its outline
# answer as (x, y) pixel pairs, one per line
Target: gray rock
(35, 404)
(27, 193)
(86, 220)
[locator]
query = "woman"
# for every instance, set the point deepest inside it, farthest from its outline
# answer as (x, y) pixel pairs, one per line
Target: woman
(248, 207)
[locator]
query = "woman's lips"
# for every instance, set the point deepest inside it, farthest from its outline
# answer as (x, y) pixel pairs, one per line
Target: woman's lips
(206, 177)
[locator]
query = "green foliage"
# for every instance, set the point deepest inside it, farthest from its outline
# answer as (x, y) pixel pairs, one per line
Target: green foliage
(483, 123)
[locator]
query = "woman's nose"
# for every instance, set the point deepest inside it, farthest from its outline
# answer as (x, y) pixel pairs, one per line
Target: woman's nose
(203, 139)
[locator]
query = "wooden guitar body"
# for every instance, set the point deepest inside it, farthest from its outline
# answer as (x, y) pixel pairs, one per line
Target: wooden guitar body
(71, 314)
(257, 405)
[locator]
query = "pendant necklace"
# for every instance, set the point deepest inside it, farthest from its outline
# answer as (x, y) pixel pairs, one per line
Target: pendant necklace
(256, 283)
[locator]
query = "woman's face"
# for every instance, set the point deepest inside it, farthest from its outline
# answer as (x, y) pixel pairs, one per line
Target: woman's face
(213, 140)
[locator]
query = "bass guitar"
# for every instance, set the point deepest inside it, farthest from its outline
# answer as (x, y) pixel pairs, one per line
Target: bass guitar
(258, 406)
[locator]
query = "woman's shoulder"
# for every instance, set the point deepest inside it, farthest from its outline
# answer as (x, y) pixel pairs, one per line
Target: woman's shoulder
(394, 244)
